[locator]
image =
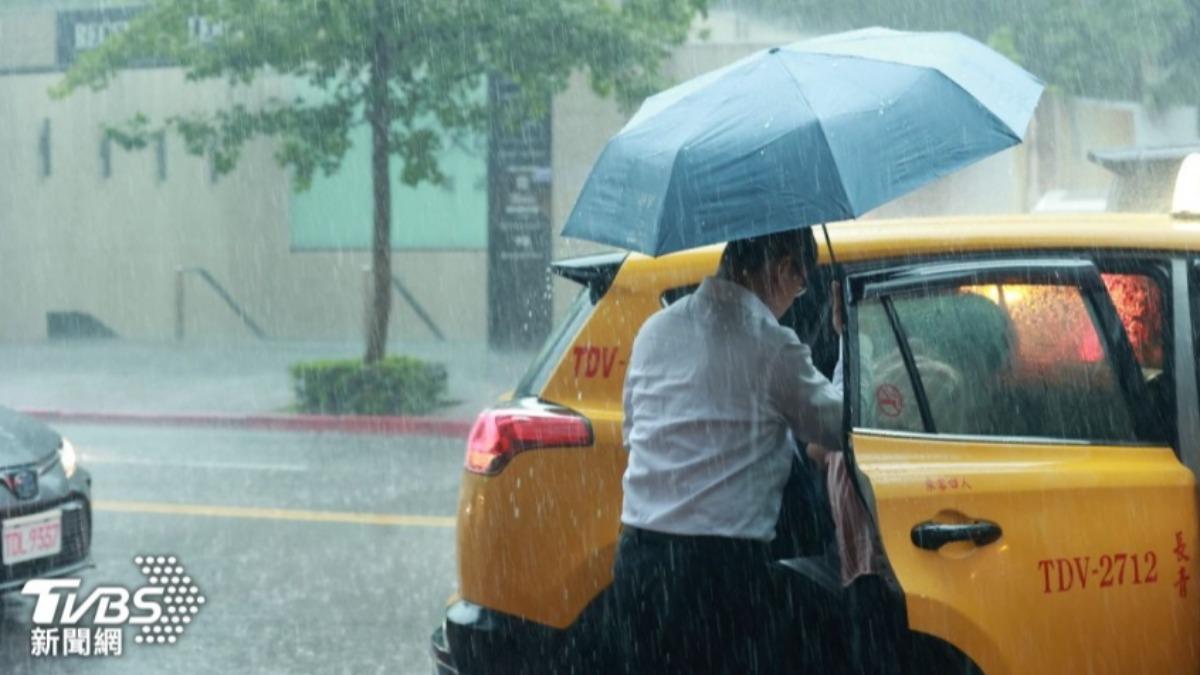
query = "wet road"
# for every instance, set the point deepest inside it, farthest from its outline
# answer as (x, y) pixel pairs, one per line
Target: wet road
(317, 553)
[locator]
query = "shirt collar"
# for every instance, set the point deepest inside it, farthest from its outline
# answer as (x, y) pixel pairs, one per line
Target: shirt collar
(715, 290)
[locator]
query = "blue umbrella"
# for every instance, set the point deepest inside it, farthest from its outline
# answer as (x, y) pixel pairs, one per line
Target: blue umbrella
(818, 131)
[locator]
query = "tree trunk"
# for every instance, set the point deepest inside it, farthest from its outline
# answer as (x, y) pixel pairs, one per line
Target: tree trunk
(379, 116)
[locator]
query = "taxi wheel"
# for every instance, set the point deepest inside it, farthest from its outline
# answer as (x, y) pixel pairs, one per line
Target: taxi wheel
(928, 655)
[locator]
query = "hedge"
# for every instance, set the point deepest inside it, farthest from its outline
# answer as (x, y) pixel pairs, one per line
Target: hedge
(397, 385)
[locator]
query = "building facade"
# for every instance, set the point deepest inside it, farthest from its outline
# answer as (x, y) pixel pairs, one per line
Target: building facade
(154, 246)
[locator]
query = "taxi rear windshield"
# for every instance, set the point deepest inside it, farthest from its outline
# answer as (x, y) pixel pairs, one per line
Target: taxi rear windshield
(538, 373)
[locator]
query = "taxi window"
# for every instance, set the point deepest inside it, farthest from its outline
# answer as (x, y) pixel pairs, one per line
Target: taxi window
(886, 399)
(1139, 302)
(1011, 360)
(538, 373)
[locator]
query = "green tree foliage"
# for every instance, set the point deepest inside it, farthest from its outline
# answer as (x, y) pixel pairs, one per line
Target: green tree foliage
(1125, 49)
(412, 70)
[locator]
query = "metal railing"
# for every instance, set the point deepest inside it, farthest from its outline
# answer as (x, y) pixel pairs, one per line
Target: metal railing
(210, 280)
(409, 298)
(244, 316)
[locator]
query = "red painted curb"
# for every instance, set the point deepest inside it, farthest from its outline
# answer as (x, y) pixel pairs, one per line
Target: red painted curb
(351, 424)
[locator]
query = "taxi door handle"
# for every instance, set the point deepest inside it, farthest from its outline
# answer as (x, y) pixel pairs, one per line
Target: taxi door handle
(932, 536)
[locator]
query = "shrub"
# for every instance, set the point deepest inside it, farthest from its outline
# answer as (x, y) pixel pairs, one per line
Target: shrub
(394, 386)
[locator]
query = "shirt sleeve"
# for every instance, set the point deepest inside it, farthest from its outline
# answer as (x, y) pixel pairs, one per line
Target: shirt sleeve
(627, 417)
(632, 371)
(811, 404)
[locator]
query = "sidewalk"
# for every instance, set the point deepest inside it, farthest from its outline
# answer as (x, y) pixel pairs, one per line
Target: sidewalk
(168, 380)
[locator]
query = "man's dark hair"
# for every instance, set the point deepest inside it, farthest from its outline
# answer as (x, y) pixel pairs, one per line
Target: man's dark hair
(745, 257)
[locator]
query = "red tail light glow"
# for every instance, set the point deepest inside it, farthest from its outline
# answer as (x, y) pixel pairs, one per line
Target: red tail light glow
(500, 434)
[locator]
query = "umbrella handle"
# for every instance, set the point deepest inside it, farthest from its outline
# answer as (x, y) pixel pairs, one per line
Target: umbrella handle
(829, 247)
(839, 274)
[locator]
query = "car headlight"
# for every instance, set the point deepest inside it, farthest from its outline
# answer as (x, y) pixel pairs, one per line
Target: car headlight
(68, 457)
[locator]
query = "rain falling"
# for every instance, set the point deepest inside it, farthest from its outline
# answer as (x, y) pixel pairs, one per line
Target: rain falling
(482, 337)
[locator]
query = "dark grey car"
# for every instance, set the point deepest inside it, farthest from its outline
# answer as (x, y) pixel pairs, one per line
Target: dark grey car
(45, 503)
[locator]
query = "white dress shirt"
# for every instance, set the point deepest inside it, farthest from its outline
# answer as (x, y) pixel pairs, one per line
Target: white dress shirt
(715, 389)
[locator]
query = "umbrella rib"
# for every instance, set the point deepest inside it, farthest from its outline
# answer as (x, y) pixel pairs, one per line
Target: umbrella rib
(821, 127)
(729, 72)
(932, 68)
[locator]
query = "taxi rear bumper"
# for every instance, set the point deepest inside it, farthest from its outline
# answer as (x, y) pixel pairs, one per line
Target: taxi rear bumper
(474, 639)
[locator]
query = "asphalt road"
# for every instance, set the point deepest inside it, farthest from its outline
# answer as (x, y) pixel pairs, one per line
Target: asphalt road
(317, 553)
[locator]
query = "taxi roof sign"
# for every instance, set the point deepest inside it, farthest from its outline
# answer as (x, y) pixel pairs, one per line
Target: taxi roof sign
(1185, 202)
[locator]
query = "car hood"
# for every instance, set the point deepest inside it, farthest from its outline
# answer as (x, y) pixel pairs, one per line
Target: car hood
(24, 440)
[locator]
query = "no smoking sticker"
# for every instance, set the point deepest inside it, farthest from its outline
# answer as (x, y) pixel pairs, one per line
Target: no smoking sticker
(889, 400)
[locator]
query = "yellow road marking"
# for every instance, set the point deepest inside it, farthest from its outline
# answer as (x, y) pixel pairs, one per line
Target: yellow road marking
(251, 512)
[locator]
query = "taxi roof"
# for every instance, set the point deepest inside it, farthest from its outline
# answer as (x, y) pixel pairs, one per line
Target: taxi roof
(865, 240)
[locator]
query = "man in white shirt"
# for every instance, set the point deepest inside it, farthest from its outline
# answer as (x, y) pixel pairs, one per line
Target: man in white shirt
(715, 393)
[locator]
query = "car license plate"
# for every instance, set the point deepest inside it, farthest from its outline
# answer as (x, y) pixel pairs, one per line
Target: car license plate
(31, 537)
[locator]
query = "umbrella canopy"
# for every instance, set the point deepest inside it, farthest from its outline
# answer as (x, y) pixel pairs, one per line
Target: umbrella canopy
(818, 131)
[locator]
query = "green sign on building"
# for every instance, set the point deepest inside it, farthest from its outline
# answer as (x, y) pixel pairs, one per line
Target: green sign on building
(335, 212)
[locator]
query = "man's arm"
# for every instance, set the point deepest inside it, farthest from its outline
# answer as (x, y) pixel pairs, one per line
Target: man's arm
(818, 453)
(811, 404)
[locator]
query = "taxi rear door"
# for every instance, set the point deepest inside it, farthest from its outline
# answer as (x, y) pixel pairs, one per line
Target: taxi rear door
(1028, 499)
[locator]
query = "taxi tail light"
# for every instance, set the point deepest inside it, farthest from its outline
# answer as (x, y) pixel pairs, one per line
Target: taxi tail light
(498, 435)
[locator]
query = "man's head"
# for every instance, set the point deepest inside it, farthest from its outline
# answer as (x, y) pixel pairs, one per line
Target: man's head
(775, 266)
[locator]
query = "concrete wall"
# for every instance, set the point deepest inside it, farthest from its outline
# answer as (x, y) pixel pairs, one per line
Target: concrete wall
(75, 240)
(1066, 129)
(27, 39)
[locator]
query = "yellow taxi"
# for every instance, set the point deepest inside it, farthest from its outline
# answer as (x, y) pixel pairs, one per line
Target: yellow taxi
(1038, 508)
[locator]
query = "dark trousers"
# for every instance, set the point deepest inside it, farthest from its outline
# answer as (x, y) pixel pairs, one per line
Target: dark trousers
(686, 604)
(878, 628)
